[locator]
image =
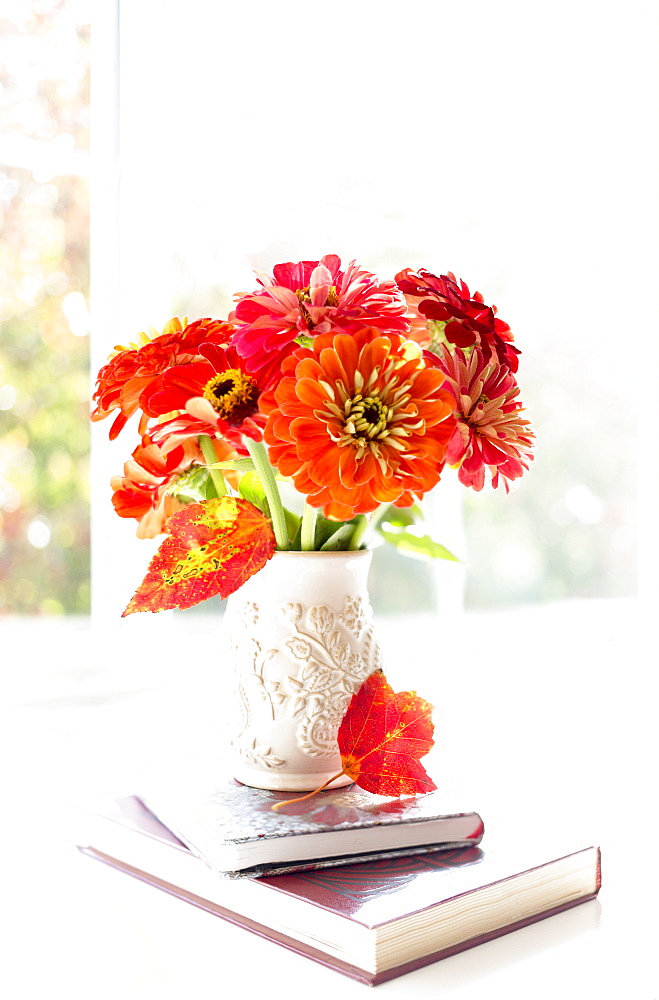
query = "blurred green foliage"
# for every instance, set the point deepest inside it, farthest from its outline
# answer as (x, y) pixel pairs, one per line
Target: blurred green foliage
(44, 352)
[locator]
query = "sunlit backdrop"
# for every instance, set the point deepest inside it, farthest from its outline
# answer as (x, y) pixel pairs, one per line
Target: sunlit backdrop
(484, 139)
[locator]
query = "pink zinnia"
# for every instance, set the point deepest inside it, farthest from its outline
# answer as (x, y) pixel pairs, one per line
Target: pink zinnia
(490, 433)
(311, 298)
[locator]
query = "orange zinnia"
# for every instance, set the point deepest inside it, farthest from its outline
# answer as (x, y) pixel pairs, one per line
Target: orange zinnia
(131, 370)
(357, 421)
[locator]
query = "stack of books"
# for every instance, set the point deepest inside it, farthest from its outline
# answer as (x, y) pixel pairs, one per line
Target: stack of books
(371, 887)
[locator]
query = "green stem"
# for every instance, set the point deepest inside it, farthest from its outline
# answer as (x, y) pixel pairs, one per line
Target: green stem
(361, 528)
(267, 477)
(308, 536)
(209, 453)
(366, 528)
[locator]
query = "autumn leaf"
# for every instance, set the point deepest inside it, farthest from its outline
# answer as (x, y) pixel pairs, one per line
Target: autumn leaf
(381, 739)
(383, 735)
(211, 548)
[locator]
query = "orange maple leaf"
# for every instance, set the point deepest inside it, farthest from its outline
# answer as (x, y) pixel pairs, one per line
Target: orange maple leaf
(211, 548)
(381, 738)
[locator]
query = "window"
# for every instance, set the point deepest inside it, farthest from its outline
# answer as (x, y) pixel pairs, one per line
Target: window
(44, 362)
(237, 137)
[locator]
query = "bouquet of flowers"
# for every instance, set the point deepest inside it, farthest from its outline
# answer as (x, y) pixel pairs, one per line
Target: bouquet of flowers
(348, 393)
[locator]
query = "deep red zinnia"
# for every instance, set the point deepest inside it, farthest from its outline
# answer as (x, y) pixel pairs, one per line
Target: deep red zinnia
(465, 319)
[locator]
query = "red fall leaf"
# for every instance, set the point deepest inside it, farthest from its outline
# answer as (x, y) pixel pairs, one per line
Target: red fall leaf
(382, 737)
(211, 548)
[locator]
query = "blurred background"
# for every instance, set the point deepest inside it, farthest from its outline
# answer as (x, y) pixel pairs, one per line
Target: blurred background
(511, 144)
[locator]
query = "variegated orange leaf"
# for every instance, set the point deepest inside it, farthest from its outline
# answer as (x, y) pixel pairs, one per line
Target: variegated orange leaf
(211, 548)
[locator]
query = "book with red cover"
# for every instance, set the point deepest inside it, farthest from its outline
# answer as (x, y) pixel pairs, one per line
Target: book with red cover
(371, 921)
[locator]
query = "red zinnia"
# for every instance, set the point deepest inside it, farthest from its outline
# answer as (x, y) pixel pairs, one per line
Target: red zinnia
(358, 420)
(214, 389)
(131, 370)
(490, 432)
(468, 322)
(308, 299)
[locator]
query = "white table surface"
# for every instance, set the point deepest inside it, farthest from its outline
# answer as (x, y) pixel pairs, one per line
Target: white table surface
(546, 710)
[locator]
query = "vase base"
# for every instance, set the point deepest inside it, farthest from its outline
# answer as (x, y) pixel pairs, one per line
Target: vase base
(274, 782)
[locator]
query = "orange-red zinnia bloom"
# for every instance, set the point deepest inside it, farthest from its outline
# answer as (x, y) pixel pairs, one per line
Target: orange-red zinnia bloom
(308, 299)
(131, 370)
(214, 388)
(358, 420)
(490, 433)
(142, 491)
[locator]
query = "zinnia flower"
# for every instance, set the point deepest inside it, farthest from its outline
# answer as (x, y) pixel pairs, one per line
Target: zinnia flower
(358, 420)
(308, 299)
(131, 370)
(214, 389)
(142, 491)
(490, 432)
(464, 320)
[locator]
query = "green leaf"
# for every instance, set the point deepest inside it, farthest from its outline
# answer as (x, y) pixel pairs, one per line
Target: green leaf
(239, 464)
(251, 488)
(418, 545)
(324, 530)
(340, 539)
(401, 516)
(191, 484)
(294, 529)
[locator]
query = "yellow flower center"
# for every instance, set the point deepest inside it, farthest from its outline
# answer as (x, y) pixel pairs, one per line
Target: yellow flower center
(370, 426)
(233, 395)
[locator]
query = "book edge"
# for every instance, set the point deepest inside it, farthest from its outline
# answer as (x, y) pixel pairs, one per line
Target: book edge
(322, 958)
(261, 930)
(419, 963)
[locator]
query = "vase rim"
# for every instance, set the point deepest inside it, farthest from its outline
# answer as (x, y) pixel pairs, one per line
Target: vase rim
(316, 552)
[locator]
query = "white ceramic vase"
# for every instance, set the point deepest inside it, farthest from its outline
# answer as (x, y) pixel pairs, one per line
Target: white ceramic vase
(300, 634)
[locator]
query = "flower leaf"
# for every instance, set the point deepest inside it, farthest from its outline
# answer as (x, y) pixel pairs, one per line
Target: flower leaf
(418, 545)
(238, 464)
(251, 488)
(211, 548)
(340, 539)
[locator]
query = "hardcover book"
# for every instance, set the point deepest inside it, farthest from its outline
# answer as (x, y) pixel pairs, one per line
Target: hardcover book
(233, 828)
(373, 920)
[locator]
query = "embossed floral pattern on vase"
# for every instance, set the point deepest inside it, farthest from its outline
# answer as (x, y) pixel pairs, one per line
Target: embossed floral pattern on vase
(298, 663)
